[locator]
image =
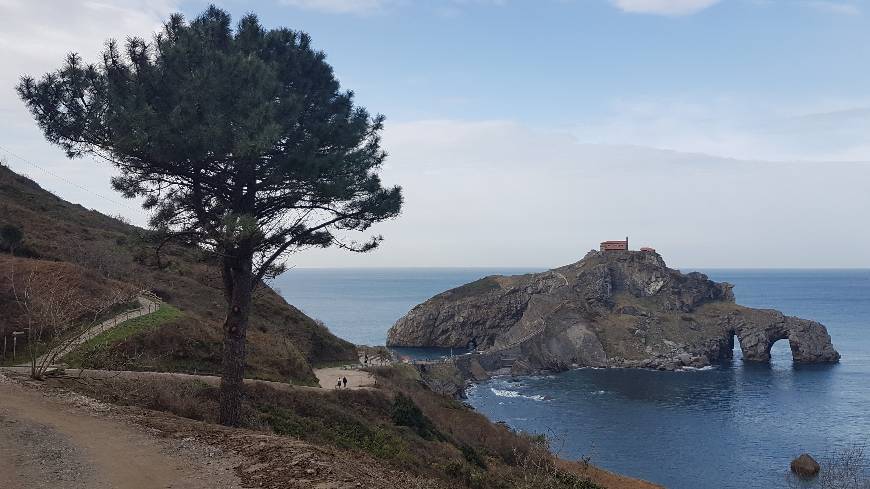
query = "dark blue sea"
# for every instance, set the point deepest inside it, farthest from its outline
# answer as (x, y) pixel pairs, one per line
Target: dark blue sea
(734, 426)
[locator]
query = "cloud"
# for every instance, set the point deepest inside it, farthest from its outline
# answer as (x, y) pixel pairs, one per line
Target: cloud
(737, 127)
(34, 40)
(843, 8)
(499, 193)
(664, 7)
(340, 6)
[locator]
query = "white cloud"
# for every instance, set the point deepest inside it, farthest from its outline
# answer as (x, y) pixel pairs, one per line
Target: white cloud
(497, 193)
(844, 8)
(738, 127)
(663, 7)
(34, 40)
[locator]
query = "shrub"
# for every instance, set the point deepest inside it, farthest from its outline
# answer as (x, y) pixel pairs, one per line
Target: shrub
(11, 237)
(335, 428)
(473, 456)
(405, 413)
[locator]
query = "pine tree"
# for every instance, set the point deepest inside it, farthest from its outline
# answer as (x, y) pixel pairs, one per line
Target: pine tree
(239, 140)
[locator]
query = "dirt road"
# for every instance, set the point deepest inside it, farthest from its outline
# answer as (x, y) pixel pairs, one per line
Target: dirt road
(45, 443)
(356, 379)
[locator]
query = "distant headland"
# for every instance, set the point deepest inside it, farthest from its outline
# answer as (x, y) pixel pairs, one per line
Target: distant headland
(614, 308)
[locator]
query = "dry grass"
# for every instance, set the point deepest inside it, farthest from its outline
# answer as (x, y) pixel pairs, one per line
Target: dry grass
(82, 287)
(282, 342)
(444, 440)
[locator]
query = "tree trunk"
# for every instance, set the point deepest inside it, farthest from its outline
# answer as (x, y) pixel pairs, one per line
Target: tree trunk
(238, 284)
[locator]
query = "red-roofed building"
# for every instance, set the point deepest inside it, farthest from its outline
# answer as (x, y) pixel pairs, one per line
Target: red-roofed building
(615, 245)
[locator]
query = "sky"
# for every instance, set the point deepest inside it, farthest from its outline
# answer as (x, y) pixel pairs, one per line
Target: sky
(724, 133)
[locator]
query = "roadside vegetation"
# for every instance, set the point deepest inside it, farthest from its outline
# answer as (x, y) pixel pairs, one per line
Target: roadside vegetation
(401, 423)
(283, 343)
(98, 351)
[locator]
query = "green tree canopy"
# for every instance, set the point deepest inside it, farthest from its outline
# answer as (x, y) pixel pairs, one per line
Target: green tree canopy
(240, 140)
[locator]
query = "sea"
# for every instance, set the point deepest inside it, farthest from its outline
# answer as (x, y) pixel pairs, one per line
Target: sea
(730, 426)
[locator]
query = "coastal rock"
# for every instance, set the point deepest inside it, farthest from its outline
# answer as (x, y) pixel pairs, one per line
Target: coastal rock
(805, 466)
(610, 309)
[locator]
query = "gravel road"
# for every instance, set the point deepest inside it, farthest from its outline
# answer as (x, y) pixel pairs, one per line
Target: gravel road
(52, 443)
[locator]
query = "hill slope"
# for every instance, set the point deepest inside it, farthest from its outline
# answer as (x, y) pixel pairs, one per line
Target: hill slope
(283, 343)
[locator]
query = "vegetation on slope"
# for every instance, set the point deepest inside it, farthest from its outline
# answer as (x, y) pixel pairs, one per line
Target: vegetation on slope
(283, 343)
(401, 424)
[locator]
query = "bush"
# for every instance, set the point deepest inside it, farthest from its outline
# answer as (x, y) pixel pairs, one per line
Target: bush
(405, 413)
(336, 428)
(472, 456)
(11, 237)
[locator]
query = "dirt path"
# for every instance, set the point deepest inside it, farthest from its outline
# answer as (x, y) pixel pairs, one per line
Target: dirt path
(356, 379)
(130, 374)
(146, 306)
(47, 443)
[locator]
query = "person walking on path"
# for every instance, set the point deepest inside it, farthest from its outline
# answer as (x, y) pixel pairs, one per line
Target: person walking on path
(344, 380)
(338, 384)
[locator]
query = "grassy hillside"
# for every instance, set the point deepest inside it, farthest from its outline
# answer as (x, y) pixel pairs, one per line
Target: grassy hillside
(283, 342)
(399, 426)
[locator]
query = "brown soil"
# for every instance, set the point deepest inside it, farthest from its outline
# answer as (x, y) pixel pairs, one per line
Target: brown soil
(606, 478)
(51, 437)
(49, 443)
(356, 379)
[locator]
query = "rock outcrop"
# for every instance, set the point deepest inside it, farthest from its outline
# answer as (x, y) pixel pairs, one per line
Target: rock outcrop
(616, 309)
(805, 466)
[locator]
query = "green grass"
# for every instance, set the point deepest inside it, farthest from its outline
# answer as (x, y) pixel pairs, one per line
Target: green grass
(482, 286)
(338, 429)
(127, 329)
(23, 353)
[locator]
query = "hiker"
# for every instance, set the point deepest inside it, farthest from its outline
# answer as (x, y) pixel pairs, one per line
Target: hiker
(338, 384)
(366, 361)
(344, 379)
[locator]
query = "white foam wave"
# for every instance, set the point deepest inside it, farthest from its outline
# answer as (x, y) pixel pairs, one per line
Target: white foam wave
(696, 369)
(515, 394)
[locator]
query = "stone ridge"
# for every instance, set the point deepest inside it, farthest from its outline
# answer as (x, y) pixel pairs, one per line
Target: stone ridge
(615, 308)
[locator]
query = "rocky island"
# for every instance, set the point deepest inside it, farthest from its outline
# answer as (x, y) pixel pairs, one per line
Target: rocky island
(613, 308)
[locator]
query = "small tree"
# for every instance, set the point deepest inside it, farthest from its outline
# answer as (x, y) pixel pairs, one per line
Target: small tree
(56, 313)
(240, 141)
(11, 236)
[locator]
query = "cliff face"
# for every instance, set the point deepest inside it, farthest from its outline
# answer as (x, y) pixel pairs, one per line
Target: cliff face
(618, 308)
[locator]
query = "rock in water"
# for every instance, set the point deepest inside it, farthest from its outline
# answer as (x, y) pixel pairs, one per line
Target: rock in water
(610, 309)
(805, 466)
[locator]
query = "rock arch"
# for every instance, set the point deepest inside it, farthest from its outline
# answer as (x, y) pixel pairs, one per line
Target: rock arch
(809, 341)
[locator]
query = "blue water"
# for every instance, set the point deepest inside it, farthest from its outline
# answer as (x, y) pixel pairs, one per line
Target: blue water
(732, 426)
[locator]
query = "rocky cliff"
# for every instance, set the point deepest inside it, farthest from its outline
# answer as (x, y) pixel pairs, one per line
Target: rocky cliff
(610, 309)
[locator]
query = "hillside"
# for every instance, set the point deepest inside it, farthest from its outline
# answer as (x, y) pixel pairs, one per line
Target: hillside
(283, 343)
(399, 433)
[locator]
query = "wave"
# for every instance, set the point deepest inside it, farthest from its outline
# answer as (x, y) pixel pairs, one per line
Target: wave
(515, 394)
(696, 369)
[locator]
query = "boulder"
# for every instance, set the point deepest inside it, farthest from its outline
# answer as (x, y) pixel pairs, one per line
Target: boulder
(805, 466)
